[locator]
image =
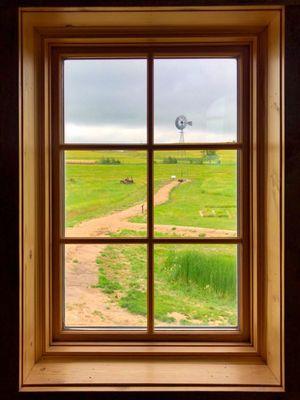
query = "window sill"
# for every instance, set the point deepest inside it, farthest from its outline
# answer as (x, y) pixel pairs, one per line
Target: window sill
(92, 374)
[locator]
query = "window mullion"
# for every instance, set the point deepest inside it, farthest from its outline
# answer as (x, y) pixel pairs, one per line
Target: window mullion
(150, 123)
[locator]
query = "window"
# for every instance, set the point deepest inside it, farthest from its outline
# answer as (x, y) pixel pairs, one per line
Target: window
(123, 199)
(143, 262)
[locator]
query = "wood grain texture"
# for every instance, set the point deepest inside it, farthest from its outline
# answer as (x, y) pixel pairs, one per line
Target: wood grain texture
(9, 210)
(273, 204)
(56, 212)
(248, 370)
(29, 195)
(148, 373)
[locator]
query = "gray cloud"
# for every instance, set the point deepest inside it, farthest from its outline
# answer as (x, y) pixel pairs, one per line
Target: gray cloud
(105, 92)
(105, 100)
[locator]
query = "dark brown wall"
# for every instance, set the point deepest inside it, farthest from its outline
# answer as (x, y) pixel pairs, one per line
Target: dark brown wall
(9, 279)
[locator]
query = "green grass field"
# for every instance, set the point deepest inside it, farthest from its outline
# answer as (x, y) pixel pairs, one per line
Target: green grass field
(94, 190)
(194, 285)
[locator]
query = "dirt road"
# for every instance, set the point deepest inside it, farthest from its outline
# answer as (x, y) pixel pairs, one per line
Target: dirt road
(86, 305)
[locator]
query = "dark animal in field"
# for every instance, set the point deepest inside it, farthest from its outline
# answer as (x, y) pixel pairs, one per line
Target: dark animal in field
(127, 181)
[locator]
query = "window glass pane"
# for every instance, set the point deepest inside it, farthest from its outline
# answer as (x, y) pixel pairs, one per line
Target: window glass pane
(195, 193)
(105, 101)
(105, 285)
(104, 191)
(202, 90)
(195, 285)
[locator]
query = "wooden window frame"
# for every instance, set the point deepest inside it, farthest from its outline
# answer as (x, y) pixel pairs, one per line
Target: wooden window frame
(241, 146)
(254, 360)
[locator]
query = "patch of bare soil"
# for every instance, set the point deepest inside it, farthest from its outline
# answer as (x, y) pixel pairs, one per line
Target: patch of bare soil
(87, 305)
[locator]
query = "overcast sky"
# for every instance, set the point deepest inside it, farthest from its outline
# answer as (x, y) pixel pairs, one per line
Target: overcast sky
(105, 100)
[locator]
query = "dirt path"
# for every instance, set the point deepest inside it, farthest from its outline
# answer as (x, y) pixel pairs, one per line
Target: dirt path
(87, 305)
(118, 220)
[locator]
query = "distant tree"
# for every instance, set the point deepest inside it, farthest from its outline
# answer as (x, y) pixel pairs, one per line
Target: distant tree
(108, 161)
(170, 160)
(210, 156)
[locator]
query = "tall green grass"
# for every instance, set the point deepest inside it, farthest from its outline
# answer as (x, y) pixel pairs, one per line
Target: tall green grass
(193, 284)
(214, 273)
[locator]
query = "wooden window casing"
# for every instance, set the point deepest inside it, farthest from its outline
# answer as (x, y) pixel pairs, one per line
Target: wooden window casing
(241, 146)
(253, 357)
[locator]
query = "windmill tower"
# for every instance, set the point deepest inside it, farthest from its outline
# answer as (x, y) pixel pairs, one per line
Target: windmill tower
(181, 123)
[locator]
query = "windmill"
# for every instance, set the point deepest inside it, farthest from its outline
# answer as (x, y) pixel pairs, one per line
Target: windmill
(181, 123)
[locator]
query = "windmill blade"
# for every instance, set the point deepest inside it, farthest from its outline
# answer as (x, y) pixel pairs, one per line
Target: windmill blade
(181, 122)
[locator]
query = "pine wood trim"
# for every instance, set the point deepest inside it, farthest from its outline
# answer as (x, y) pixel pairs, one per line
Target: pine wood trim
(167, 374)
(241, 333)
(257, 365)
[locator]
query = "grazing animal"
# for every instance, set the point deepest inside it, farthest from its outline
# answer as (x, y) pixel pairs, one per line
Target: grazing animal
(127, 181)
